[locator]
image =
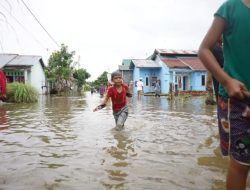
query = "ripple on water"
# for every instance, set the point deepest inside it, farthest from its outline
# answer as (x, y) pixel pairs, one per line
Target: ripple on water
(59, 143)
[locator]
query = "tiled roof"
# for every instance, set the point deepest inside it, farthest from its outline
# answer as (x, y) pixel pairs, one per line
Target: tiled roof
(145, 63)
(193, 62)
(174, 63)
(176, 52)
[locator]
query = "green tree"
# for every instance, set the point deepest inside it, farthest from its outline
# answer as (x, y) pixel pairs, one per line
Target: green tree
(60, 69)
(80, 75)
(102, 79)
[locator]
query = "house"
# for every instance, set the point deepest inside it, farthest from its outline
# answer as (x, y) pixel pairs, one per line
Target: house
(28, 69)
(180, 70)
(147, 70)
(127, 73)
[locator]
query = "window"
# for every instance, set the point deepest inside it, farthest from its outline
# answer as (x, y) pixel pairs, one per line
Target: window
(203, 80)
(147, 81)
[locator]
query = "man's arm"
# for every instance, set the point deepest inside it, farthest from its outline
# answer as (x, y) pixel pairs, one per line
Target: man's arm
(233, 87)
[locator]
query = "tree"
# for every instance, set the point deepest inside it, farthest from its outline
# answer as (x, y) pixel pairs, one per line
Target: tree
(60, 69)
(102, 79)
(80, 75)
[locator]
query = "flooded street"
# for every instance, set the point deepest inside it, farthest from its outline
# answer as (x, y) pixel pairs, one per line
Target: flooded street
(59, 143)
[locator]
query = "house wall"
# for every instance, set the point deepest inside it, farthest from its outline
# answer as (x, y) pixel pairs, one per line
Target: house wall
(196, 82)
(180, 79)
(145, 73)
(150, 74)
(136, 76)
(164, 76)
(36, 77)
(127, 76)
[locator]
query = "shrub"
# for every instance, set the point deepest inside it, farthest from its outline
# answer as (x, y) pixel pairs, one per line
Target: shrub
(19, 92)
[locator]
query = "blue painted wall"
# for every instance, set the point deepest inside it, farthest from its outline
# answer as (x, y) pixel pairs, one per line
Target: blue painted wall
(195, 81)
(146, 73)
(166, 77)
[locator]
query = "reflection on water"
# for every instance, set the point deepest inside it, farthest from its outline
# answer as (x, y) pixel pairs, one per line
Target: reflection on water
(59, 143)
(3, 118)
(120, 152)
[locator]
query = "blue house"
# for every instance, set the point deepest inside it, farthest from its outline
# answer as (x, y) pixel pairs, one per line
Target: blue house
(126, 71)
(147, 70)
(182, 70)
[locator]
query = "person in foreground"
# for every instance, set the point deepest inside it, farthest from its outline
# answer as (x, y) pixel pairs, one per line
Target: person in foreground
(117, 92)
(232, 21)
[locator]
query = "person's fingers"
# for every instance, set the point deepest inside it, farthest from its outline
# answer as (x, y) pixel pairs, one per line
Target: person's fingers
(241, 96)
(246, 94)
(242, 86)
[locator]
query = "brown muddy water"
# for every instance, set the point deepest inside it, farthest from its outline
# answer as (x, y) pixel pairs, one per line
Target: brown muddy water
(59, 143)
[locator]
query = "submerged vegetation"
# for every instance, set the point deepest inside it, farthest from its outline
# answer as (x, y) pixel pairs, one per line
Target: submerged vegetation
(19, 92)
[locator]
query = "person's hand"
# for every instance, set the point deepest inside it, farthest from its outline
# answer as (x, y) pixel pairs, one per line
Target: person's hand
(129, 95)
(94, 110)
(246, 94)
(236, 89)
(99, 107)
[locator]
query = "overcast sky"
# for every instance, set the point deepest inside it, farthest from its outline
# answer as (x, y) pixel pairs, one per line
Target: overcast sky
(103, 32)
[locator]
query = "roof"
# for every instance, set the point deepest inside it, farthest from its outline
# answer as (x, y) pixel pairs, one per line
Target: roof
(192, 63)
(6, 58)
(174, 63)
(145, 63)
(172, 52)
(126, 62)
(19, 60)
(176, 52)
(125, 65)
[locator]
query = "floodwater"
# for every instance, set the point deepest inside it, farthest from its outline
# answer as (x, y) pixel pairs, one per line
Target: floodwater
(59, 143)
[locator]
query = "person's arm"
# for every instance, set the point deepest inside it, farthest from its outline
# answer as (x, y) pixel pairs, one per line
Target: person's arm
(128, 93)
(233, 87)
(103, 104)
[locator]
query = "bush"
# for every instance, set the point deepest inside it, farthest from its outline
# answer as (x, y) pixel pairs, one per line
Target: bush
(19, 92)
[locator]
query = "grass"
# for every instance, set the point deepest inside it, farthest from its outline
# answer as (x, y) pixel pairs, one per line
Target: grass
(21, 93)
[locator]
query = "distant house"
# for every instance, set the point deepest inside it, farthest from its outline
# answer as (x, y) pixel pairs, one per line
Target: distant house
(147, 70)
(182, 70)
(125, 70)
(27, 69)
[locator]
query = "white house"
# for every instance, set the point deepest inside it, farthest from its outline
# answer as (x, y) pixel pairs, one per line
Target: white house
(28, 69)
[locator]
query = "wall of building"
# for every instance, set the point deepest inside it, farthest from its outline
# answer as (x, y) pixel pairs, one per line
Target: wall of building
(149, 77)
(37, 77)
(164, 78)
(136, 76)
(196, 81)
(127, 76)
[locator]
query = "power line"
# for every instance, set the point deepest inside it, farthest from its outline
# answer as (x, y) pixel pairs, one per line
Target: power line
(23, 26)
(40, 23)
